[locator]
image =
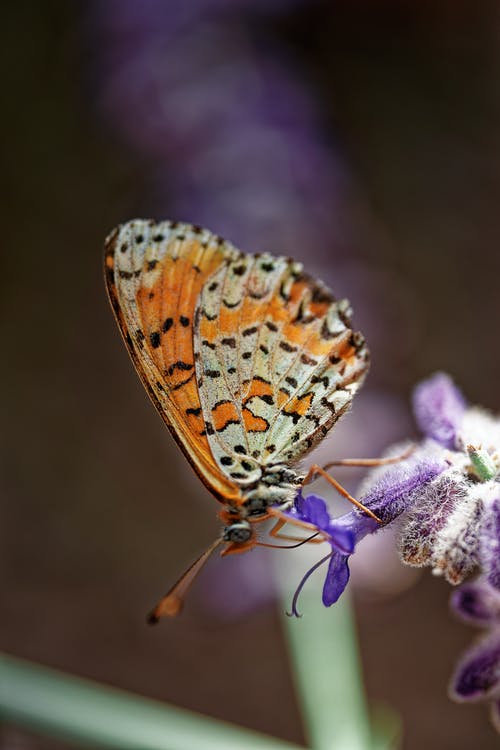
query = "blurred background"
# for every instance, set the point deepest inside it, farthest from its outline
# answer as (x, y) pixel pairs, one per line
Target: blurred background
(361, 138)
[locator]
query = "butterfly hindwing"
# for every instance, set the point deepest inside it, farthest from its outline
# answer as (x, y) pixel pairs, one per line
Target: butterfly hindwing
(226, 334)
(277, 362)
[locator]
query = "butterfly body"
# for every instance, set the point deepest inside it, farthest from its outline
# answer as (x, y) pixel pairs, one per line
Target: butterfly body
(248, 360)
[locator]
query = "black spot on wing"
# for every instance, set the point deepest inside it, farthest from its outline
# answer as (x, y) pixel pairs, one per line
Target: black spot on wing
(260, 379)
(287, 347)
(208, 316)
(129, 274)
(306, 360)
(256, 295)
(328, 405)
(209, 430)
(179, 365)
(226, 424)
(250, 331)
(317, 379)
(183, 382)
(294, 415)
(167, 324)
(268, 399)
(327, 334)
(267, 267)
(321, 295)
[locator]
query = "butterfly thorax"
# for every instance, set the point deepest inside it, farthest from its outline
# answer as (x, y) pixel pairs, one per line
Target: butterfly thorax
(277, 487)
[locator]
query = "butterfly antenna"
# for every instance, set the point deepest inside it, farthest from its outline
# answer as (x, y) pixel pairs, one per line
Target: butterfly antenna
(171, 604)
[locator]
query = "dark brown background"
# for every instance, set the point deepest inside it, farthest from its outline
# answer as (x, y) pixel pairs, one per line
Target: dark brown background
(100, 509)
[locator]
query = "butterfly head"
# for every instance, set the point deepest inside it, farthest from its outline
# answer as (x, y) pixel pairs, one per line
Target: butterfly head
(238, 532)
(277, 486)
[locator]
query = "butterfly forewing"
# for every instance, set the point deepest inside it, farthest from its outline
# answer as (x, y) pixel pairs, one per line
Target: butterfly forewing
(155, 273)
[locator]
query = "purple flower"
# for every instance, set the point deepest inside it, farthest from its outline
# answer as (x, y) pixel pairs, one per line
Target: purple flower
(439, 408)
(477, 675)
(490, 542)
(446, 495)
(395, 491)
(477, 603)
(455, 525)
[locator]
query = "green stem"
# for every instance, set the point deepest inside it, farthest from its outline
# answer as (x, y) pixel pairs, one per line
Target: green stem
(86, 713)
(328, 675)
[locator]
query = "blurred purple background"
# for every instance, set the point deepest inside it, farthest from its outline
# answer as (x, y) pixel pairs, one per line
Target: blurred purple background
(361, 138)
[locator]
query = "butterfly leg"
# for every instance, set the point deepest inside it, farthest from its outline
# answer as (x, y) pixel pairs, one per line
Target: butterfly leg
(282, 519)
(280, 522)
(316, 471)
(370, 461)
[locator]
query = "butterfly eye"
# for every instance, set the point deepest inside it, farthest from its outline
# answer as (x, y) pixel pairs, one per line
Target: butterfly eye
(238, 532)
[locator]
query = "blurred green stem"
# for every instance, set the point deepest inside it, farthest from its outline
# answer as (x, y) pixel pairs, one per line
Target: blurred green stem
(328, 678)
(89, 714)
(328, 675)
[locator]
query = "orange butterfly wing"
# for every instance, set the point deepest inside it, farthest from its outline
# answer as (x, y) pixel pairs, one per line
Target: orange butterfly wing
(154, 276)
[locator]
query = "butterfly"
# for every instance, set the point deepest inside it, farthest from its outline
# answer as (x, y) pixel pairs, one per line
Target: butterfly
(248, 360)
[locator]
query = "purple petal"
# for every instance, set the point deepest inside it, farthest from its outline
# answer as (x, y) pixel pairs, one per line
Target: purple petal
(439, 407)
(477, 676)
(476, 603)
(342, 538)
(313, 510)
(336, 579)
(490, 544)
(355, 525)
(399, 486)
